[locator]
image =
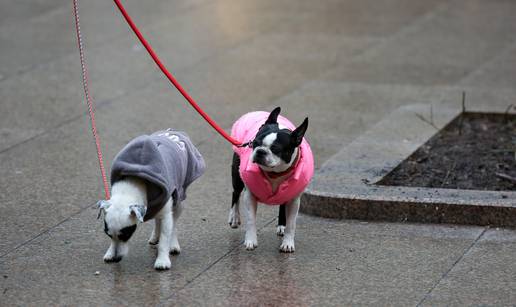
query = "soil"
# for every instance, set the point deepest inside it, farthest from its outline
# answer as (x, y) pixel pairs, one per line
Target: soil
(473, 152)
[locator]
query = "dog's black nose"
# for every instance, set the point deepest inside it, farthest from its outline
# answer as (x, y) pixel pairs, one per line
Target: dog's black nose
(260, 152)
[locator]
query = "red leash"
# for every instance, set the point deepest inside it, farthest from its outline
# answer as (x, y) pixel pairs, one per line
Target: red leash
(170, 77)
(91, 110)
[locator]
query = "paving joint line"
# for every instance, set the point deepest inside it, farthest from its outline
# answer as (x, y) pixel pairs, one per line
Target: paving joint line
(480, 68)
(412, 26)
(65, 122)
(381, 41)
(2, 260)
(102, 43)
(466, 251)
(211, 265)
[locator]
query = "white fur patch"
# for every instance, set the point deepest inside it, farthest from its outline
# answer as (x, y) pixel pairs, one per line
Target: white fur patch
(125, 193)
(280, 231)
(287, 246)
(234, 217)
(269, 139)
(162, 262)
(251, 243)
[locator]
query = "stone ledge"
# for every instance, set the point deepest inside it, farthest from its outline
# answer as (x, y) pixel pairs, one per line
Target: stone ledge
(345, 186)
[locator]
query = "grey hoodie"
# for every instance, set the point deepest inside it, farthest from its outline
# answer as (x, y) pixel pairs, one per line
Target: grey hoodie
(166, 160)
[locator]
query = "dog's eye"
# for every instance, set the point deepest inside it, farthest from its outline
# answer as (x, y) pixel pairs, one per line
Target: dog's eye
(126, 233)
(256, 143)
(275, 149)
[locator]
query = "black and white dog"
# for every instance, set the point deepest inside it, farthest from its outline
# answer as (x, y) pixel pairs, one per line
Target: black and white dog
(274, 171)
(149, 178)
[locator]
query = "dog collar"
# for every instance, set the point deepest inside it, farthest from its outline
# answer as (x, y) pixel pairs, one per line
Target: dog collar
(274, 175)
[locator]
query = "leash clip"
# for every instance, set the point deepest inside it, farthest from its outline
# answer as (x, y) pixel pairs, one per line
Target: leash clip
(245, 144)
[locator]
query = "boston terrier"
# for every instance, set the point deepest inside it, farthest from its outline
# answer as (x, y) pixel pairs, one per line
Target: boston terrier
(149, 178)
(274, 169)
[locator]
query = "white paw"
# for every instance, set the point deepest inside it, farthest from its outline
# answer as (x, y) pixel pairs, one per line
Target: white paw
(175, 249)
(234, 218)
(280, 231)
(250, 242)
(287, 246)
(111, 257)
(162, 263)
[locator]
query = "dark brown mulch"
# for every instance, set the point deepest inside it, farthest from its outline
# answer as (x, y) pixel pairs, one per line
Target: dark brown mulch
(466, 154)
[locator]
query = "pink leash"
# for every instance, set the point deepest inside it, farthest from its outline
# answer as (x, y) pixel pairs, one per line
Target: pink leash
(91, 110)
(161, 66)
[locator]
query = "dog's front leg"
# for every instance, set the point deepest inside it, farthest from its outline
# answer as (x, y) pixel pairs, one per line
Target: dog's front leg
(234, 215)
(116, 251)
(250, 205)
(163, 259)
(110, 255)
(291, 208)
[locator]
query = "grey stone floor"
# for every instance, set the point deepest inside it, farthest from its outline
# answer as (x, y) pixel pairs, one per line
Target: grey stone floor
(343, 63)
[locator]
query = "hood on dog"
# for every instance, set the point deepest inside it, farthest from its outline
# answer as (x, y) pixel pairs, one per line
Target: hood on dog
(245, 129)
(166, 160)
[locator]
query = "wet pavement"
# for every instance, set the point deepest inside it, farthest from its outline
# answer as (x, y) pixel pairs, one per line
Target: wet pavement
(345, 64)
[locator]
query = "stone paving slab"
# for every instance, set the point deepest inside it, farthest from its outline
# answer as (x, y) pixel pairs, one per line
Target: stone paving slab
(12, 10)
(441, 48)
(318, 271)
(363, 104)
(355, 263)
(496, 73)
(354, 18)
(484, 277)
(52, 29)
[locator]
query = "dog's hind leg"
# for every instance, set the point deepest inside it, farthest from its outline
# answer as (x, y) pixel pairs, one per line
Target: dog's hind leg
(163, 259)
(176, 213)
(282, 221)
(154, 238)
(238, 187)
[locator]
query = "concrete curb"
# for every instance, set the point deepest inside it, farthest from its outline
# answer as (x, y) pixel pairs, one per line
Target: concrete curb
(345, 186)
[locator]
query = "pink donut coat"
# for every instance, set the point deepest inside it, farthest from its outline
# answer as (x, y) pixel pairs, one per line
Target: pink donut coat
(244, 130)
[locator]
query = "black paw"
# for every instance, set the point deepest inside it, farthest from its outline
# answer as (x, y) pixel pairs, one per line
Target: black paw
(114, 259)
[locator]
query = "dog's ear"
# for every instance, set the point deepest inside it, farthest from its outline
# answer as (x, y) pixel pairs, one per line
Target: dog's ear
(273, 117)
(297, 135)
(102, 205)
(138, 211)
